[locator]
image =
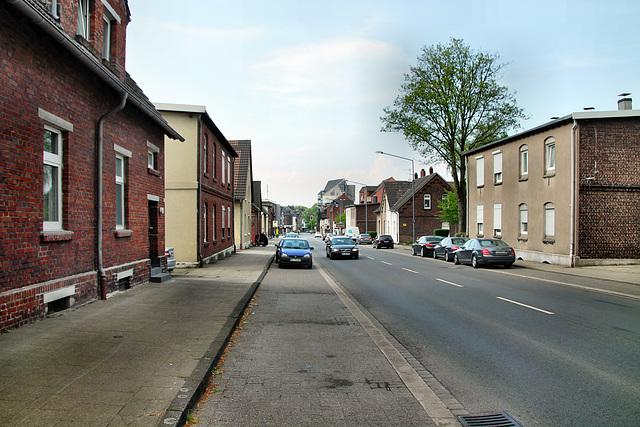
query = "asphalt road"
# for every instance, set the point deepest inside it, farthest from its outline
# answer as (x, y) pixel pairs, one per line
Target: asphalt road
(498, 341)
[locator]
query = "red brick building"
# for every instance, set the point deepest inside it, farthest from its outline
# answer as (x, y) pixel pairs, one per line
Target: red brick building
(81, 160)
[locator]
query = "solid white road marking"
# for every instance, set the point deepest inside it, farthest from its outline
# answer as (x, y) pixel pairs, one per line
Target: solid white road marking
(449, 283)
(410, 271)
(525, 305)
(385, 262)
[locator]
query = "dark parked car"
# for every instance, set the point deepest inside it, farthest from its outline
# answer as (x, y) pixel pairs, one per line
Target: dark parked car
(342, 246)
(383, 241)
(292, 251)
(365, 239)
(485, 251)
(424, 245)
(448, 246)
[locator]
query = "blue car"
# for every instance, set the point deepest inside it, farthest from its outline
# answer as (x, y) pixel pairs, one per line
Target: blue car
(292, 251)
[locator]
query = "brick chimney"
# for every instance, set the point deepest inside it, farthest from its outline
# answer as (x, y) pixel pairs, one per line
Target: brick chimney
(430, 170)
(422, 173)
(624, 103)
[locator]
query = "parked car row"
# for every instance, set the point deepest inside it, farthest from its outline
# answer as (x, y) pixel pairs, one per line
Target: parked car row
(462, 250)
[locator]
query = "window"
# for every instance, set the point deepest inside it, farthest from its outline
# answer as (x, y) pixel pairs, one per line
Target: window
(480, 219)
(213, 222)
(213, 161)
(223, 175)
(549, 220)
(549, 156)
(205, 155)
(120, 191)
(497, 220)
(229, 221)
(83, 18)
(205, 228)
(106, 39)
(480, 171)
(223, 209)
(229, 170)
(524, 161)
(427, 201)
(52, 183)
(497, 167)
(152, 156)
(524, 219)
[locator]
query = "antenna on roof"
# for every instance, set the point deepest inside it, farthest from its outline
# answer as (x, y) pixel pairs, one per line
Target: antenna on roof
(624, 94)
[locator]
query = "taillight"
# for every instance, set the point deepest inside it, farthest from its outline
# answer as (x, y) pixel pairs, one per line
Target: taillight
(513, 252)
(429, 245)
(455, 248)
(486, 252)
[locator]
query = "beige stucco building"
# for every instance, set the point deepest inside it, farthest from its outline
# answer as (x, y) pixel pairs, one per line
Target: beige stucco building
(558, 192)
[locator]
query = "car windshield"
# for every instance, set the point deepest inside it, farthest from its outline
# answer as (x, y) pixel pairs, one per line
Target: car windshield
(342, 241)
(459, 241)
(296, 244)
(487, 242)
(434, 239)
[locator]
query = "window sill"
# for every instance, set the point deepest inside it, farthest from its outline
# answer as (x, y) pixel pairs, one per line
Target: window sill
(523, 239)
(56, 235)
(548, 241)
(153, 171)
(524, 178)
(497, 183)
(549, 174)
(123, 233)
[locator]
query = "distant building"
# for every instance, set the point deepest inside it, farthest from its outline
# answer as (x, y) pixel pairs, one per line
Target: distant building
(334, 189)
(566, 192)
(243, 184)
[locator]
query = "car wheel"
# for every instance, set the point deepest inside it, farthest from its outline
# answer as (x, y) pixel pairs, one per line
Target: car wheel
(474, 261)
(507, 265)
(424, 252)
(392, 246)
(310, 266)
(356, 256)
(447, 257)
(435, 255)
(413, 252)
(456, 261)
(280, 265)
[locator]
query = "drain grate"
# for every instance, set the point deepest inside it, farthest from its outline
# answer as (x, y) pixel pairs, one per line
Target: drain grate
(501, 419)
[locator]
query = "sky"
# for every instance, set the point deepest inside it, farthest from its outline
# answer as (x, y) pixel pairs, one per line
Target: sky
(307, 81)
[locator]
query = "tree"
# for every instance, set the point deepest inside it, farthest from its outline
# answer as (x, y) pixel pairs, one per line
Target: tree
(451, 102)
(449, 209)
(310, 215)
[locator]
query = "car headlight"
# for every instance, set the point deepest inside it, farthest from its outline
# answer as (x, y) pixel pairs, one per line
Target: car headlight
(354, 250)
(284, 256)
(307, 256)
(335, 250)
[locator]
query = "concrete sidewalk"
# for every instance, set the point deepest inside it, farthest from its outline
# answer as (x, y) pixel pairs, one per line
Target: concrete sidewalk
(138, 358)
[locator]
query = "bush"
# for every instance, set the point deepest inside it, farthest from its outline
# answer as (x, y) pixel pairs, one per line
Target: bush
(373, 234)
(441, 232)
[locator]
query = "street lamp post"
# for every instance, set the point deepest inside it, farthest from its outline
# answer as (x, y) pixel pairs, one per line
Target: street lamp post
(413, 192)
(366, 213)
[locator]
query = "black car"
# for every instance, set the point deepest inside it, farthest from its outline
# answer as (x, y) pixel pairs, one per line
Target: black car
(448, 246)
(342, 246)
(383, 241)
(424, 245)
(485, 251)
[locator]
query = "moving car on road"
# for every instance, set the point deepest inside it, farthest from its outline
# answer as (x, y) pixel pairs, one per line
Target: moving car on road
(294, 251)
(365, 239)
(448, 246)
(424, 245)
(383, 241)
(342, 246)
(485, 251)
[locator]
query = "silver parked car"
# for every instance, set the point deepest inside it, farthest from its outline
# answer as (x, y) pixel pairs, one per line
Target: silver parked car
(171, 259)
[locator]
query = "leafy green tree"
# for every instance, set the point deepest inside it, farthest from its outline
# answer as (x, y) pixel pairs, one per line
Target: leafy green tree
(310, 215)
(451, 102)
(449, 209)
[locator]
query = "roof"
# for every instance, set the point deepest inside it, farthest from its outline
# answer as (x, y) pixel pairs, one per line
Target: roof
(418, 184)
(561, 121)
(395, 190)
(202, 110)
(256, 193)
(241, 167)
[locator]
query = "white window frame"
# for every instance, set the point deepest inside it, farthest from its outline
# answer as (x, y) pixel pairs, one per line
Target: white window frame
(497, 167)
(427, 201)
(205, 231)
(229, 169)
(549, 155)
(213, 222)
(120, 181)
(480, 219)
(106, 38)
(223, 211)
(152, 156)
(524, 161)
(223, 168)
(229, 221)
(480, 171)
(54, 160)
(497, 220)
(84, 18)
(213, 160)
(523, 219)
(205, 154)
(549, 220)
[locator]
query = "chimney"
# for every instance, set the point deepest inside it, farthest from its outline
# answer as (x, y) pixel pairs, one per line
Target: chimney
(624, 104)
(430, 170)
(422, 173)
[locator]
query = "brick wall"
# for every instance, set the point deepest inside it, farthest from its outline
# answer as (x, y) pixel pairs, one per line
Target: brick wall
(609, 204)
(426, 220)
(38, 75)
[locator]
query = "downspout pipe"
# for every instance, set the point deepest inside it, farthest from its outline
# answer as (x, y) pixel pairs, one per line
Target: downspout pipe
(572, 205)
(100, 168)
